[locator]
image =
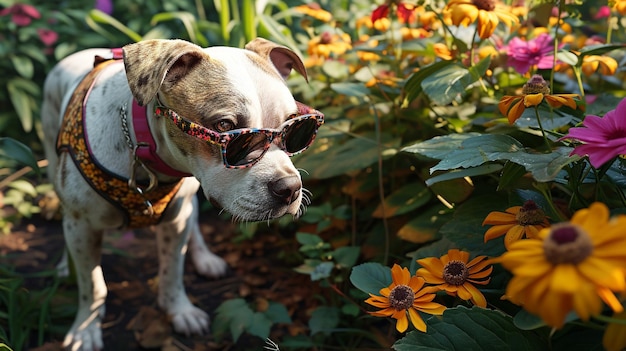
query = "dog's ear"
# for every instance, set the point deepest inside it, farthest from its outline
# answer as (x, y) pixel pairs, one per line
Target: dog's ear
(281, 57)
(152, 63)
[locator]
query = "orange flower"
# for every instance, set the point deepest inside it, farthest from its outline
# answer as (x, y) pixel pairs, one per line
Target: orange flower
(453, 274)
(486, 13)
(517, 222)
(329, 44)
(534, 92)
(592, 63)
(406, 294)
(314, 10)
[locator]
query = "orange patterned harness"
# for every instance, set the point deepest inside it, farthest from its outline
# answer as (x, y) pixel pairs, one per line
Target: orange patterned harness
(140, 208)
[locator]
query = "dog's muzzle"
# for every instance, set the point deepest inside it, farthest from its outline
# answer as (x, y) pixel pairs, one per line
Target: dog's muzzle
(286, 190)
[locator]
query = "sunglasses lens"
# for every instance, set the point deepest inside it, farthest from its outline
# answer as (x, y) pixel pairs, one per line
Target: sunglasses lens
(299, 135)
(245, 149)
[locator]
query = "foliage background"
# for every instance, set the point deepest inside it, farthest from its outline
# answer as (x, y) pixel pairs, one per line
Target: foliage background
(380, 194)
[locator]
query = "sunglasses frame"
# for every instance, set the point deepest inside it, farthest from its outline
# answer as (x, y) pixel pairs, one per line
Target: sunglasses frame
(223, 139)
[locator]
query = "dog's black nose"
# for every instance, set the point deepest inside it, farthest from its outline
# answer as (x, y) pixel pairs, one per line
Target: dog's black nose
(286, 189)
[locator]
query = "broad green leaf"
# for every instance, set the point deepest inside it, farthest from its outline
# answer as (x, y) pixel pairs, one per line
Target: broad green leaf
(445, 85)
(370, 277)
(478, 70)
(259, 325)
(461, 173)
(439, 147)
(568, 57)
(599, 49)
(307, 239)
(478, 150)
(24, 186)
(277, 313)
(425, 227)
(350, 89)
(14, 149)
(322, 271)
(23, 66)
(403, 200)
(545, 167)
(346, 256)
(413, 86)
(22, 104)
(324, 319)
(511, 173)
(232, 315)
(462, 328)
(101, 17)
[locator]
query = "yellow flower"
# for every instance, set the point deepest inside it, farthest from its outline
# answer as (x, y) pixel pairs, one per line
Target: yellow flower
(575, 265)
(486, 13)
(591, 63)
(614, 338)
(442, 51)
(328, 44)
(453, 274)
(516, 222)
(314, 10)
(534, 92)
(620, 6)
(405, 294)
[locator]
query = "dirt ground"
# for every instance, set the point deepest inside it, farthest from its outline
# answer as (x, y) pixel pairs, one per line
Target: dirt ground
(133, 320)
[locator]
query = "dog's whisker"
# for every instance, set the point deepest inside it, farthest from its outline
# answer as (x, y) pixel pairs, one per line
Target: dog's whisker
(303, 171)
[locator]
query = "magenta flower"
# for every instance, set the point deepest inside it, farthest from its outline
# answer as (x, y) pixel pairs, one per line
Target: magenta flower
(603, 138)
(47, 36)
(105, 6)
(522, 55)
(21, 14)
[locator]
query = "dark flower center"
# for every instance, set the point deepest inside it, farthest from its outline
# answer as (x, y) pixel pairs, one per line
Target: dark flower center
(326, 38)
(487, 5)
(567, 243)
(530, 214)
(455, 273)
(401, 297)
(536, 84)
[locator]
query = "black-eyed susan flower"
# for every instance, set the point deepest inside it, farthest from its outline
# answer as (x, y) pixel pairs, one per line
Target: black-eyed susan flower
(316, 11)
(328, 44)
(516, 223)
(487, 14)
(534, 92)
(455, 274)
(604, 64)
(575, 265)
(403, 298)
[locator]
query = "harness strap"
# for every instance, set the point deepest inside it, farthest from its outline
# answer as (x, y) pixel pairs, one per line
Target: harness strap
(112, 187)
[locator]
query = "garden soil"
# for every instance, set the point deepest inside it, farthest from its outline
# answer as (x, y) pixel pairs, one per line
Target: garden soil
(133, 320)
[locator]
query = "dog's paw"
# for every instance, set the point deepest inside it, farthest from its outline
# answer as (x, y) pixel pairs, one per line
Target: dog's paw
(190, 320)
(87, 338)
(208, 264)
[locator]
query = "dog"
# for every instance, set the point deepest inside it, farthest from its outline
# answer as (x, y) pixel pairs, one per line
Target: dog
(132, 134)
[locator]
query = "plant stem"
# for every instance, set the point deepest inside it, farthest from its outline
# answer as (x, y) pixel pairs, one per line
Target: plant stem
(543, 132)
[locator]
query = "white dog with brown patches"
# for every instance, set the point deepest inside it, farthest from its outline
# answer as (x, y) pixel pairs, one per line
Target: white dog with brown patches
(132, 133)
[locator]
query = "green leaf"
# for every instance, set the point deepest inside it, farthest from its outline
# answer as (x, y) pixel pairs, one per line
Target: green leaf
(477, 328)
(23, 66)
(101, 17)
(346, 256)
(307, 239)
(14, 149)
(445, 85)
(479, 69)
(568, 57)
(22, 103)
(511, 173)
(461, 173)
(259, 326)
(324, 319)
(413, 86)
(439, 147)
(370, 277)
(350, 89)
(234, 315)
(277, 313)
(24, 186)
(478, 150)
(599, 49)
(403, 200)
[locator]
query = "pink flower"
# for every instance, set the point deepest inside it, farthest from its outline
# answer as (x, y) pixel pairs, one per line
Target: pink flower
(522, 55)
(105, 6)
(21, 14)
(603, 12)
(603, 138)
(47, 36)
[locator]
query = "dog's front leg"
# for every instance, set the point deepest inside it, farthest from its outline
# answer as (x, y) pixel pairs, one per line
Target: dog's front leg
(172, 239)
(84, 245)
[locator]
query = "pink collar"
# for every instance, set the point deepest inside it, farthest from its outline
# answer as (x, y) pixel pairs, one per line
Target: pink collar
(146, 146)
